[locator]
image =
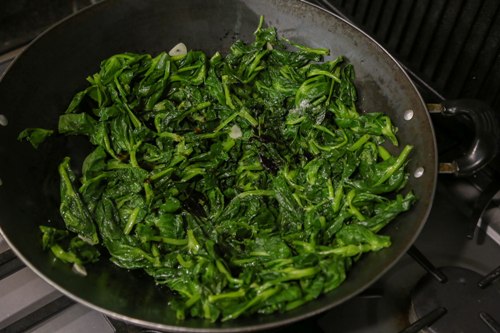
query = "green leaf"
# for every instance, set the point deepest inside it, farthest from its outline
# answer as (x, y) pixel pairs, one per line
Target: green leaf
(74, 211)
(76, 124)
(35, 136)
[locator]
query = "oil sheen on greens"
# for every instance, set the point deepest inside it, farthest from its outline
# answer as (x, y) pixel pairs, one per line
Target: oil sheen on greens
(245, 183)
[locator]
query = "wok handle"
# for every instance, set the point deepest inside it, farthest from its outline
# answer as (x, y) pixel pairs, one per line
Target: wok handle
(486, 140)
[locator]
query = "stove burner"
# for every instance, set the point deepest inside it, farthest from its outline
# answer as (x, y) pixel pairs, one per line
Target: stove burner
(461, 300)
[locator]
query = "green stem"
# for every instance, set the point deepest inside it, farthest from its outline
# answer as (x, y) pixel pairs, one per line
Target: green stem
(232, 294)
(337, 199)
(354, 211)
(148, 193)
(227, 93)
(295, 121)
(268, 193)
(225, 122)
(359, 143)
(161, 174)
(222, 268)
(245, 115)
(261, 297)
(383, 153)
(194, 109)
(173, 136)
(394, 167)
(131, 221)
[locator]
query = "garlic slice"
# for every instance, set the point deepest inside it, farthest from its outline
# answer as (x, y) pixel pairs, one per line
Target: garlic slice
(235, 132)
(178, 50)
(79, 269)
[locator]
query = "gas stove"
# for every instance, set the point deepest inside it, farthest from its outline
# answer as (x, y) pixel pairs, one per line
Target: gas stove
(447, 282)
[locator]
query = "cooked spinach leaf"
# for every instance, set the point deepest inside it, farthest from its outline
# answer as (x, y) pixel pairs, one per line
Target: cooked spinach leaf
(35, 136)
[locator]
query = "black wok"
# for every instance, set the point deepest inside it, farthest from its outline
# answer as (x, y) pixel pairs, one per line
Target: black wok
(40, 83)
